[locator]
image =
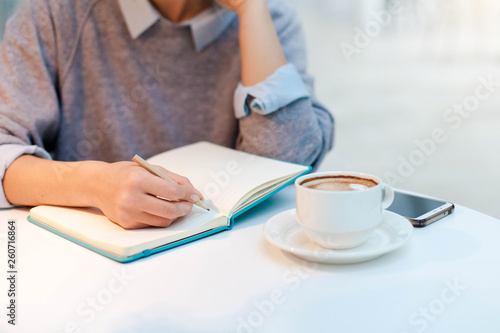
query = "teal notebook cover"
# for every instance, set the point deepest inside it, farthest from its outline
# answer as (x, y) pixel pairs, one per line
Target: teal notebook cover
(147, 253)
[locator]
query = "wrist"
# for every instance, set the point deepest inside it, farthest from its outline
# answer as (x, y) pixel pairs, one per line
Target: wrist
(93, 177)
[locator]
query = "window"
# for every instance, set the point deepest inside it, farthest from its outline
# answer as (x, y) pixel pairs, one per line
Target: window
(7, 8)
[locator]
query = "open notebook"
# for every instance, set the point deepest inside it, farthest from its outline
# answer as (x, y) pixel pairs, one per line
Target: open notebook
(231, 181)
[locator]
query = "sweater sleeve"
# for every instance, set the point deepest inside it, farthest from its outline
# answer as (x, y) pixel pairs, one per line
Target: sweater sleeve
(29, 103)
(302, 131)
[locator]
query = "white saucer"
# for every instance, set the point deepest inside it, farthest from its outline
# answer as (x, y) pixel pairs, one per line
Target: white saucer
(283, 231)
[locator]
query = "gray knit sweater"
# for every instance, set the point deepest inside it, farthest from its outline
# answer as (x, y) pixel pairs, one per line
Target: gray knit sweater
(74, 85)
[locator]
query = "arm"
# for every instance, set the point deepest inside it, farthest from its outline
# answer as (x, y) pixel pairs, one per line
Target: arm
(125, 192)
(300, 131)
(261, 52)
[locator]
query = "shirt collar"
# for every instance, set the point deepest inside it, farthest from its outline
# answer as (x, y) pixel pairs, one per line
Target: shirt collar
(206, 27)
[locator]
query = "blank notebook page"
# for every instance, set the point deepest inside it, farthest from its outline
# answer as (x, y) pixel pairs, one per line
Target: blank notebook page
(223, 175)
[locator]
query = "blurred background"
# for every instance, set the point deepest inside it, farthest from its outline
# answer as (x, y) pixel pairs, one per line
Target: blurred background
(7, 8)
(394, 73)
(414, 86)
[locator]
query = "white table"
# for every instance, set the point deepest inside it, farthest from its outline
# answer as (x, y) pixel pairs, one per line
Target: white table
(237, 282)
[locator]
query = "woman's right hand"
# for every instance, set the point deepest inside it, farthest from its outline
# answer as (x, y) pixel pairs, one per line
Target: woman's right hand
(127, 195)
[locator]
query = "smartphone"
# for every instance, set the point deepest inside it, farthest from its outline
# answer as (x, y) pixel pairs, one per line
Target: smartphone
(420, 211)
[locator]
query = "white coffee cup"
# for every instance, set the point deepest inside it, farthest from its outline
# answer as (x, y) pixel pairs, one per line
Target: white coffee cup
(338, 217)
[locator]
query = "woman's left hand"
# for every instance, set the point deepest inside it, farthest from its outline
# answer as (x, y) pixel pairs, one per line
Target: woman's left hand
(235, 5)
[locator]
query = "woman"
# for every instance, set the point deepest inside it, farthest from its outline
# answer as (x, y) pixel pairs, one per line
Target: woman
(87, 83)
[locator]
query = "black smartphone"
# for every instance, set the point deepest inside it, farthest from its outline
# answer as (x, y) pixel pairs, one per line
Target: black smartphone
(420, 211)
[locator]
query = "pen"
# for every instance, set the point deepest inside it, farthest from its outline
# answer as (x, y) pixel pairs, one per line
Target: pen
(139, 160)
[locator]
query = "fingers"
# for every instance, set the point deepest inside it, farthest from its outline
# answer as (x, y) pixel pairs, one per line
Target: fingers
(165, 209)
(154, 212)
(148, 221)
(129, 197)
(183, 181)
(129, 225)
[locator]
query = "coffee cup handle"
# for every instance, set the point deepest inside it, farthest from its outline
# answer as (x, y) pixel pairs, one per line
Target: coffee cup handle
(388, 196)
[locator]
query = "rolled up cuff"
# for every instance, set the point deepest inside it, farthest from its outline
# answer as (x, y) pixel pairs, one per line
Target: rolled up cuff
(283, 87)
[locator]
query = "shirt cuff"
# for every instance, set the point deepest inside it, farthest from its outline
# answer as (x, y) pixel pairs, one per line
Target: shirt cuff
(283, 87)
(8, 153)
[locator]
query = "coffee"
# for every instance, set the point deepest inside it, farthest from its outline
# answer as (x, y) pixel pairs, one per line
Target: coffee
(340, 210)
(338, 183)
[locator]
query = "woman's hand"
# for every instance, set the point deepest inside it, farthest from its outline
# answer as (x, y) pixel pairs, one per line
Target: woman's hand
(236, 5)
(232, 5)
(124, 191)
(127, 195)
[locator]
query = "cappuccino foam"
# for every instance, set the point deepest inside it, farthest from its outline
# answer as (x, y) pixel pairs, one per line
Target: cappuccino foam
(339, 183)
